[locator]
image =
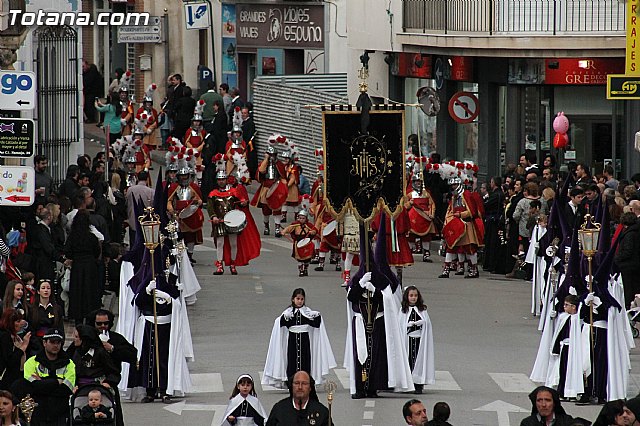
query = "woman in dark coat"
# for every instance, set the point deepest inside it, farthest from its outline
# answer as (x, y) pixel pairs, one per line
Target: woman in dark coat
(12, 347)
(82, 251)
(628, 256)
(184, 111)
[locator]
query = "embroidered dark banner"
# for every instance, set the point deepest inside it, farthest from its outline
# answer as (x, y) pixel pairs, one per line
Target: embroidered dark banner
(365, 172)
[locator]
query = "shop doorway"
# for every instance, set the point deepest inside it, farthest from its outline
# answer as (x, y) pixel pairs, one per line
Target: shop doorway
(592, 139)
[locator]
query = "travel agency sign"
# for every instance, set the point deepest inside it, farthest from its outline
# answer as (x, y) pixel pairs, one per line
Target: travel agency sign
(280, 25)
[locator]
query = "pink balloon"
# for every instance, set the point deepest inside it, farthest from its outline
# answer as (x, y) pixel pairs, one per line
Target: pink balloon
(561, 123)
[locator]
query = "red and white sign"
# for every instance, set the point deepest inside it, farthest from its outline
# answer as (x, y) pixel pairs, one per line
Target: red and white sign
(464, 107)
(581, 71)
(17, 186)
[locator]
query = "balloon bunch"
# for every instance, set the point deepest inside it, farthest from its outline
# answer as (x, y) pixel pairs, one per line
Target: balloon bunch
(561, 126)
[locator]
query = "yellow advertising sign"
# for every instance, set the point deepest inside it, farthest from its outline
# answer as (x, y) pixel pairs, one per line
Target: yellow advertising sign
(632, 63)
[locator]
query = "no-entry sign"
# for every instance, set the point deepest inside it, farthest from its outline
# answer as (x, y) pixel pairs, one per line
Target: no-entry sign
(464, 107)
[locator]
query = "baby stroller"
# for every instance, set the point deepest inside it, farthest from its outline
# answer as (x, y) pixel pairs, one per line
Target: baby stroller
(81, 399)
(634, 317)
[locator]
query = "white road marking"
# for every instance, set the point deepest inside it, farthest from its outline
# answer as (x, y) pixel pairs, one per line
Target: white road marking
(502, 409)
(259, 289)
(181, 406)
(367, 415)
(343, 376)
(266, 388)
(513, 382)
(369, 403)
(444, 381)
(206, 382)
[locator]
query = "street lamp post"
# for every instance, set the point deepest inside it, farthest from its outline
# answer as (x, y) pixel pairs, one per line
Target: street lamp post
(150, 224)
(589, 234)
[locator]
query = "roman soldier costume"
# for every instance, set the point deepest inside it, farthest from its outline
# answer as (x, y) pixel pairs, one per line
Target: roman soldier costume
(127, 115)
(421, 214)
(222, 200)
(195, 137)
(236, 145)
(463, 230)
(185, 201)
(150, 115)
(302, 234)
(292, 179)
(272, 193)
(397, 246)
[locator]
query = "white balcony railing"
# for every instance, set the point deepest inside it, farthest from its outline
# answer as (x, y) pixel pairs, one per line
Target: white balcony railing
(505, 17)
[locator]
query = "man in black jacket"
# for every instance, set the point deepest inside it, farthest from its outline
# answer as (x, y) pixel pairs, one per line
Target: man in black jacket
(114, 343)
(627, 257)
(299, 408)
(49, 377)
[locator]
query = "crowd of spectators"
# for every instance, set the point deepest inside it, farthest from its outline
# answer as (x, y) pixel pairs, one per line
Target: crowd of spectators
(523, 197)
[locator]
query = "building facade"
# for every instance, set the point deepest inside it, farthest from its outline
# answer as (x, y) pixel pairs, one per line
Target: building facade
(524, 62)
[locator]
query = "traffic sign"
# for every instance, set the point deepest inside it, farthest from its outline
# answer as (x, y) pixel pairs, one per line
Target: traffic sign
(464, 107)
(17, 90)
(196, 16)
(16, 137)
(620, 86)
(151, 33)
(139, 38)
(17, 185)
(438, 72)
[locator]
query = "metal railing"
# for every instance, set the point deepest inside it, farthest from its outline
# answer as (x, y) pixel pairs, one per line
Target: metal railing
(56, 67)
(514, 16)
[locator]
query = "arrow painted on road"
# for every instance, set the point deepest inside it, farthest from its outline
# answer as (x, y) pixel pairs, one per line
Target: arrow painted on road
(18, 198)
(181, 406)
(502, 409)
(21, 102)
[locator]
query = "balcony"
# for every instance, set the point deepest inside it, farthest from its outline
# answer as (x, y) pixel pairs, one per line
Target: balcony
(514, 17)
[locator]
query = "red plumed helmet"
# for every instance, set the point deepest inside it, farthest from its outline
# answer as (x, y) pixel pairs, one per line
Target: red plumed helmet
(173, 159)
(190, 151)
(180, 156)
(154, 86)
(201, 101)
(469, 166)
(452, 162)
(197, 154)
(183, 149)
(128, 73)
(436, 166)
(281, 139)
(321, 167)
(236, 109)
(475, 168)
(170, 148)
(429, 166)
(217, 157)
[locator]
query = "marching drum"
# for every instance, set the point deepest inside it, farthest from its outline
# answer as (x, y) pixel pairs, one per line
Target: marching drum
(192, 216)
(453, 231)
(329, 233)
(235, 221)
(277, 195)
(305, 248)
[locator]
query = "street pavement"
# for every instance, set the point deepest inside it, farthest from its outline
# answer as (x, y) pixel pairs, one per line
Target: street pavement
(484, 336)
(485, 342)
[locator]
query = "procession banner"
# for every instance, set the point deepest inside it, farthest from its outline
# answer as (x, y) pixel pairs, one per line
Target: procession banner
(364, 172)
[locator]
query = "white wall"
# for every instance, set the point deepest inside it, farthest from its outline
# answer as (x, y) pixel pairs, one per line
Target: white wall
(370, 29)
(369, 26)
(337, 33)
